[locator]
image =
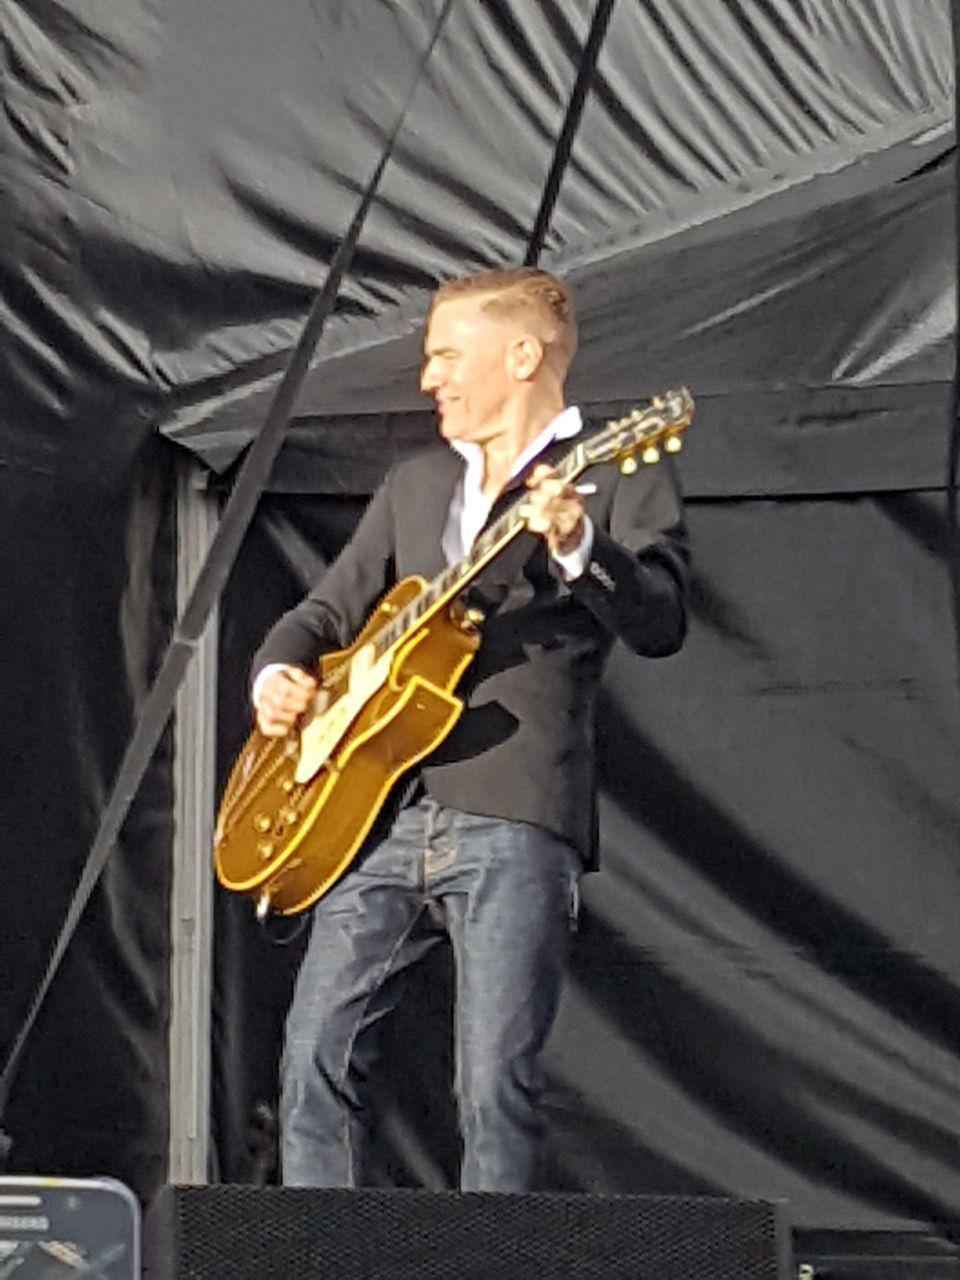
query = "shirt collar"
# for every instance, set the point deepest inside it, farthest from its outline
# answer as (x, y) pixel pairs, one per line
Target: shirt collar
(566, 424)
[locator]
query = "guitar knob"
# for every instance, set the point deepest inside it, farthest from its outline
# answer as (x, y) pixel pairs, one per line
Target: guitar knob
(290, 816)
(265, 849)
(286, 784)
(262, 822)
(475, 617)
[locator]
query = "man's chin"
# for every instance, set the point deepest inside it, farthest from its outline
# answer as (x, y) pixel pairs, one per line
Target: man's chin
(456, 426)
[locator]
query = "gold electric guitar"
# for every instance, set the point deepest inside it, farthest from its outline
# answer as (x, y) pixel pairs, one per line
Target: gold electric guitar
(296, 810)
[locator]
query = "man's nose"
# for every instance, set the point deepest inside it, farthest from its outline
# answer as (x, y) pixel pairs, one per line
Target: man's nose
(428, 378)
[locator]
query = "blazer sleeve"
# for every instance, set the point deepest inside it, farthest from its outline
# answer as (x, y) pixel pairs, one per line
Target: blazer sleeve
(331, 616)
(635, 580)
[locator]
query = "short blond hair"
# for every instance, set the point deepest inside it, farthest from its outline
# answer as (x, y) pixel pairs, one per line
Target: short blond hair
(526, 294)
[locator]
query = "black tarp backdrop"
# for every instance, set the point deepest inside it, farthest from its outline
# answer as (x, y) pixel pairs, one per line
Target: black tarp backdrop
(759, 204)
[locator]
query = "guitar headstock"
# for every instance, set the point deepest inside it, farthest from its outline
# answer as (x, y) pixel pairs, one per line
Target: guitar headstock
(643, 432)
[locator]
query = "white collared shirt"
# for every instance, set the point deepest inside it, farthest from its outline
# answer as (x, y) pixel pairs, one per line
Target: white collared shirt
(470, 507)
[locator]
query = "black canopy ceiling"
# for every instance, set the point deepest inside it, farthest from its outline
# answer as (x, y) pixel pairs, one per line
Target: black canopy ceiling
(736, 214)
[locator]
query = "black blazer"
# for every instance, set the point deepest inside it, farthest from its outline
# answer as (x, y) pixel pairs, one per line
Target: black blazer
(524, 747)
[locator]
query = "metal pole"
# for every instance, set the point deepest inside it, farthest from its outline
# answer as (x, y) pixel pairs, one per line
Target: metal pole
(191, 895)
(953, 443)
(561, 154)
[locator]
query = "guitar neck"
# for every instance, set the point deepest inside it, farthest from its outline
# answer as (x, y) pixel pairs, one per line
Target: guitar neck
(446, 586)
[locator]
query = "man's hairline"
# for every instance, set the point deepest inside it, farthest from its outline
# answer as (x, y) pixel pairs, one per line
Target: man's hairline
(486, 295)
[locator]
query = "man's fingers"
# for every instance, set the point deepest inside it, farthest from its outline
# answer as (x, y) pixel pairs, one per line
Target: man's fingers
(276, 719)
(282, 701)
(551, 503)
(297, 676)
(317, 704)
(286, 697)
(286, 704)
(539, 474)
(295, 699)
(271, 727)
(553, 509)
(550, 487)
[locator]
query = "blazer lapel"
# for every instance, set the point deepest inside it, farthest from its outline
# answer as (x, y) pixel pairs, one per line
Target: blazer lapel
(424, 516)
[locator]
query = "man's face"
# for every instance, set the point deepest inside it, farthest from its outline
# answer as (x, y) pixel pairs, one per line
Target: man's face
(469, 368)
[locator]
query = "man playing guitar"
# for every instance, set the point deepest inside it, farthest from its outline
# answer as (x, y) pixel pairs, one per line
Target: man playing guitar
(486, 841)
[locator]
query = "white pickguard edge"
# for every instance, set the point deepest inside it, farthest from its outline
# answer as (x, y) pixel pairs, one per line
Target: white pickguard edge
(320, 738)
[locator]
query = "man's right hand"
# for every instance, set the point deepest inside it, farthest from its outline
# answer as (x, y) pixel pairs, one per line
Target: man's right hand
(283, 697)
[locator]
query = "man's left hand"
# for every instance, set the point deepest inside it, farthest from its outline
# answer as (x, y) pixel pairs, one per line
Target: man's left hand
(554, 509)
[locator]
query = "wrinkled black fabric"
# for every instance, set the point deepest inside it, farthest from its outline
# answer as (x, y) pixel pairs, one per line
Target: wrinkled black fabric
(87, 605)
(766, 985)
(180, 178)
(759, 205)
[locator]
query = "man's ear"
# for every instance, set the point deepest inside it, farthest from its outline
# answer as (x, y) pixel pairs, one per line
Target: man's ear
(526, 357)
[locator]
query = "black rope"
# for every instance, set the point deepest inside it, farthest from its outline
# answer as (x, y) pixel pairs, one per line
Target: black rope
(561, 154)
(953, 446)
(206, 591)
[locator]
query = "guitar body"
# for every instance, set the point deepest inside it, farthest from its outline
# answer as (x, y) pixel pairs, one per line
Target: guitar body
(286, 841)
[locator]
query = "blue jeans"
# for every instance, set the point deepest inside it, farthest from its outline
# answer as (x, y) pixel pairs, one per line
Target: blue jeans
(507, 894)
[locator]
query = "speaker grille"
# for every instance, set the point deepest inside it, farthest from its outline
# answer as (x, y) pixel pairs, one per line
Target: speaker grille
(195, 1233)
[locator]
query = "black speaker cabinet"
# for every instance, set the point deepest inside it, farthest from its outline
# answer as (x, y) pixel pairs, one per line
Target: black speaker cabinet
(198, 1233)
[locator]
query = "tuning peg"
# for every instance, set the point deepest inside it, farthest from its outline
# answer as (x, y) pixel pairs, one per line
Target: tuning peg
(651, 454)
(673, 444)
(629, 465)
